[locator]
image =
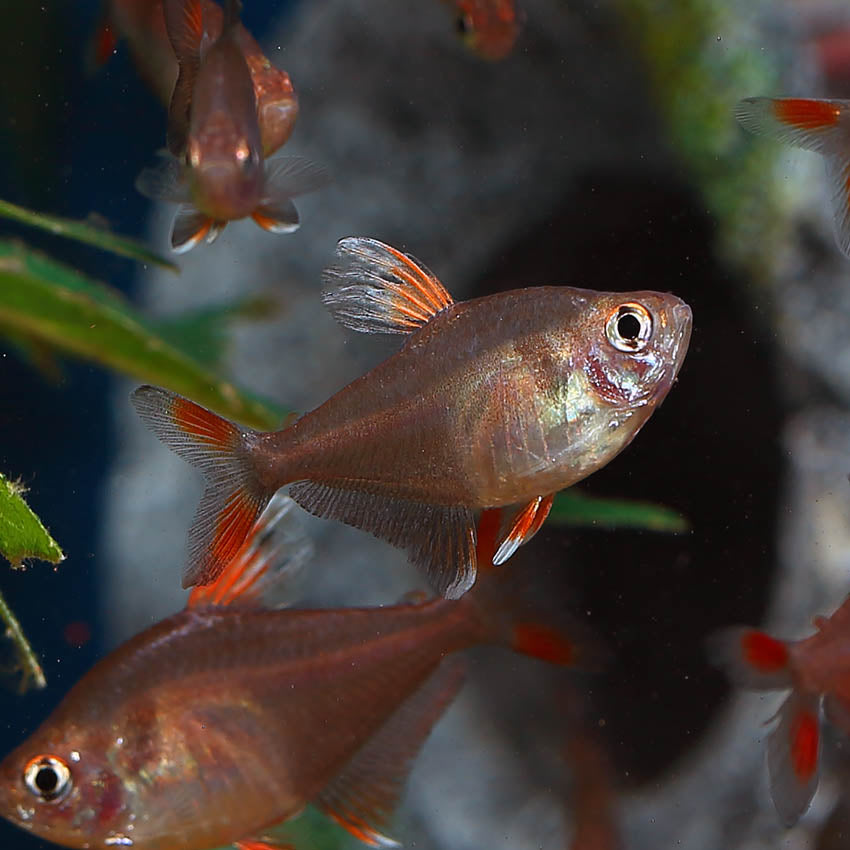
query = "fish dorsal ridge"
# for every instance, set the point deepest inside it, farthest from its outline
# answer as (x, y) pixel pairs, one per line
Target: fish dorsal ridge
(375, 288)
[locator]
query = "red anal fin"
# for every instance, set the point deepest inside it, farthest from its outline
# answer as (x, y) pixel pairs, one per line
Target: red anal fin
(762, 652)
(489, 524)
(793, 754)
(525, 525)
(379, 289)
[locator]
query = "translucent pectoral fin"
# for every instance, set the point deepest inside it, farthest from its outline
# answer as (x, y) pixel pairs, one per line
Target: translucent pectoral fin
(378, 289)
(438, 539)
(523, 526)
(803, 122)
(164, 181)
(364, 794)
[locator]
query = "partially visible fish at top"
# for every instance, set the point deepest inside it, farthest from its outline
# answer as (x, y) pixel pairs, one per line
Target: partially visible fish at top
(488, 27)
(497, 402)
(814, 125)
(142, 23)
(222, 721)
(816, 670)
(219, 173)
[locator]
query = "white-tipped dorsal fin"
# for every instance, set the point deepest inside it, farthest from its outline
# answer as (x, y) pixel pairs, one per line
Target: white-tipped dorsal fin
(378, 289)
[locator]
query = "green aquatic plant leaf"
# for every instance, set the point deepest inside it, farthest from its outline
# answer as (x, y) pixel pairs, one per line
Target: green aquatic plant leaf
(23, 537)
(22, 534)
(85, 231)
(54, 305)
(571, 507)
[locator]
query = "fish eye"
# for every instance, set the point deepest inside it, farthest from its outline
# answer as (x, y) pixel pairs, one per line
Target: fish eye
(463, 25)
(629, 327)
(47, 777)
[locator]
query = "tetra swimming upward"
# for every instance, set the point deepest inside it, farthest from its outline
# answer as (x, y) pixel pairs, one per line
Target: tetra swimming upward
(494, 402)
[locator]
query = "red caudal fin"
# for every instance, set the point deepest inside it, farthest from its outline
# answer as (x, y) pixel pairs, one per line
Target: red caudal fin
(233, 498)
(793, 753)
(815, 125)
(266, 567)
(751, 658)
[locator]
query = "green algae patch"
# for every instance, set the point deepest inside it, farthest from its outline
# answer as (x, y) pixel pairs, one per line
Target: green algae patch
(22, 534)
(85, 231)
(572, 507)
(54, 306)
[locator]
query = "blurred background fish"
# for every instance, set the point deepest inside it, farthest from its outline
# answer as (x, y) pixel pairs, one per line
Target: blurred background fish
(489, 28)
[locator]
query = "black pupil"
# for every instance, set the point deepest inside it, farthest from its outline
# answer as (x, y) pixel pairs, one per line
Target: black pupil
(46, 780)
(628, 326)
(462, 25)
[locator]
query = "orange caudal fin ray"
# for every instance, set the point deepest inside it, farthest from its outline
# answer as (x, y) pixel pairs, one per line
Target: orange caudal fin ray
(524, 525)
(266, 567)
(751, 658)
(190, 227)
(439, 540)
(362, 797)
(804, 123)
(793, 752)
(233, 498)
(375, 288)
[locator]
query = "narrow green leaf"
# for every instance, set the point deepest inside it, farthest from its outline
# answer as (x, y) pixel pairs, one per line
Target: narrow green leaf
(58, 306)
(572, 507)
(27, 662)
(84, 231)
(22, 535)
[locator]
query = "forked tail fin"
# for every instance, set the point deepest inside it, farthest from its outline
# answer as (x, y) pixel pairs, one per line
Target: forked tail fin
(265, 570)
(233, 498)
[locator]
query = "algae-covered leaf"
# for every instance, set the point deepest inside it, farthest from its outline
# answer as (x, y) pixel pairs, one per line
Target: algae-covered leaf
(22, 537)
(85, 231)
(57, 306)
(22, 534)
(572, 507)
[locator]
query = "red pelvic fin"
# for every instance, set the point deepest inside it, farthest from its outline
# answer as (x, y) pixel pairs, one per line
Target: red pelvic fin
(278, 218)
(526, 523)
(379, 289)
(233, 498)
(793, 753)
(189, 228)
(364, 794)
(804, 123)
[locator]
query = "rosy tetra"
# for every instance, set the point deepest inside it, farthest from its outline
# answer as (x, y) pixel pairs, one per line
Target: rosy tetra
(497, 402)
(817, 671)
(226, 719)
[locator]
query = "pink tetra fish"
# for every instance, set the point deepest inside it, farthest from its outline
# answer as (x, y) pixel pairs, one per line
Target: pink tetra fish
(213, 130)
(815, 125)
(816, 669)
(488, 27)
(222, 721)
(495, 402)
